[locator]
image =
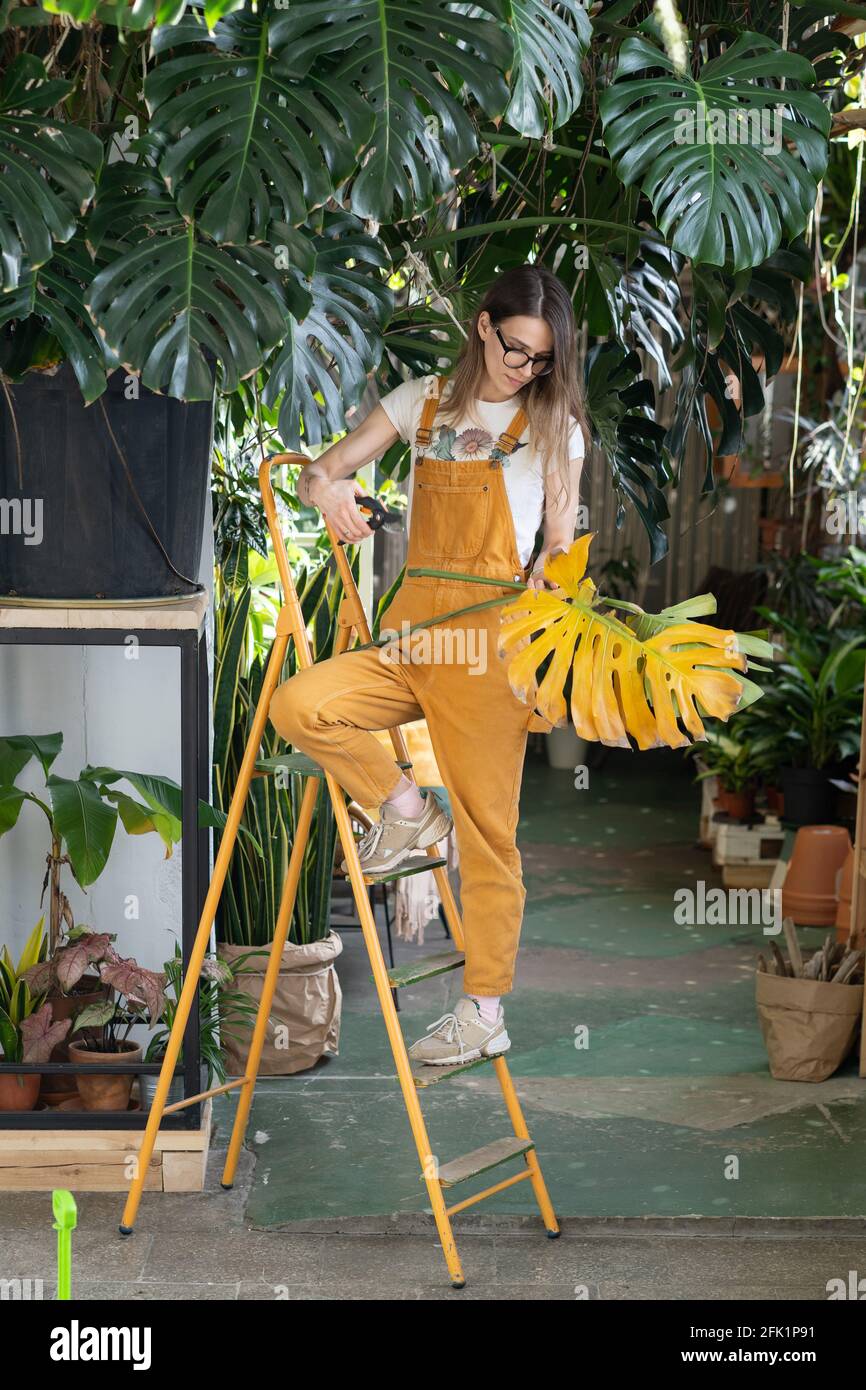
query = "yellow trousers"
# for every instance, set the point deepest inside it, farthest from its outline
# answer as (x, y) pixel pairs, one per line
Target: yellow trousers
(478, 739)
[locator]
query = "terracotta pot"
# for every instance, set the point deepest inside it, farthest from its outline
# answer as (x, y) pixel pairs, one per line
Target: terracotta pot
(775, 801)
(89, 990)
(104, 1091)
(740, 805)
(19, 1091)
(844, 892)
(809, 890)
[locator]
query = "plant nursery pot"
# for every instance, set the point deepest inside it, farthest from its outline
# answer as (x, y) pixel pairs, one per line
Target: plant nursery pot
(147, 1089)
(304, 1023)
(808, 795)
(844, 893)
(565, 750)
(103, 1091)
(809, 1026)
(19, 1091)
(94, 541)
(809, 890)
(89, 990)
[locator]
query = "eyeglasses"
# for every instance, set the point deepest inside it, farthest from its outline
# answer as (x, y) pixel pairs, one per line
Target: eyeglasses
(515, 357)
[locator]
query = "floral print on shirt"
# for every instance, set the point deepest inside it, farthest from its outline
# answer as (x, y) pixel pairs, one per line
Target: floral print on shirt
(468, 444)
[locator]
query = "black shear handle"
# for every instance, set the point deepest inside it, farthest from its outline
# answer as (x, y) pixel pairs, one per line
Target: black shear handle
(378, 515)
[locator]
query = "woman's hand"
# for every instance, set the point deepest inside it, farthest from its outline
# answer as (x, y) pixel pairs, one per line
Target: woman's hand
(335, 499)
(536, 579)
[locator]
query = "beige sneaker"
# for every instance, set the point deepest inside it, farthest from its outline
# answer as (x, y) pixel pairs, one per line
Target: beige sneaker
(394, 837)
(461, 1037)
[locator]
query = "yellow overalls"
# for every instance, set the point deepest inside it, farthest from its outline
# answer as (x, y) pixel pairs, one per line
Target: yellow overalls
(460, 520)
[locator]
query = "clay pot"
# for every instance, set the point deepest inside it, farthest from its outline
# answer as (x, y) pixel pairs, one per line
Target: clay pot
(775, 801)
(844, 894)
(90, 990)
(103, 1091)
(19, 1090)
(809, 890)
(740, 805)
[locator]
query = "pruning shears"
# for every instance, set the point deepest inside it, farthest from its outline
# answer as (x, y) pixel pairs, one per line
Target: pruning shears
(377, 516)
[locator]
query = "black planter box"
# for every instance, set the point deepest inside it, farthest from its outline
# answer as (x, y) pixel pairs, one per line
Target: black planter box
(86, 536)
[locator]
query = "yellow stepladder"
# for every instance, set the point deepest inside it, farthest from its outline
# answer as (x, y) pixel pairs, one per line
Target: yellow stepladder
(352, 622)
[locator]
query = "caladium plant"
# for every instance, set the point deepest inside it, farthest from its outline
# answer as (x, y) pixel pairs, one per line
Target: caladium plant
(27, 1036)
(138, 997)
(135, 995)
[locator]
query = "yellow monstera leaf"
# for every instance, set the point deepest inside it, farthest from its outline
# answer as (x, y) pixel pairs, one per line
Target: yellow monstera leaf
(640, 678)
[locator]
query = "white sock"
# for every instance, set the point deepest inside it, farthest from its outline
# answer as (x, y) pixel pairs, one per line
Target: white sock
(488, 1006)
(407, 801)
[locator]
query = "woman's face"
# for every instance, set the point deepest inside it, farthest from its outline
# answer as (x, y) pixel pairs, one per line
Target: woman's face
(521, 331)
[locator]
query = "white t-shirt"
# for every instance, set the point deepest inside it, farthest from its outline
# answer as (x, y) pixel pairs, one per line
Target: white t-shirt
(521, 471)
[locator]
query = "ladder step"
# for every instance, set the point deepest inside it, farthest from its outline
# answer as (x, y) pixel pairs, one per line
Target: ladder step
(418, 865)
(482, 1160)
(425, 969)
(424, 1075)
(298, 764)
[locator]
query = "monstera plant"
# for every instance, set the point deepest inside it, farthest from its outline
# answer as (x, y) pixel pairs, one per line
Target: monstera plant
(281, 197)
(644, 679)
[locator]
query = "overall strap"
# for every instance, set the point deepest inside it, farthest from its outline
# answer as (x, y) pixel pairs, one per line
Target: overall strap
(509, 439)
(424, 433)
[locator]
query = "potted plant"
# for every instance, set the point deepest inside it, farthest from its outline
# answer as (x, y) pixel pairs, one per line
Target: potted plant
(736, 763)
(27, 1025)
(138, 997)
(82, 815)
(812, 707)
(143, 278)
(220, 1010)
(28, 1033)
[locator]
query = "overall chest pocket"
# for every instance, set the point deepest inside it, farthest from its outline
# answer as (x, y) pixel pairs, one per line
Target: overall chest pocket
(450, 520)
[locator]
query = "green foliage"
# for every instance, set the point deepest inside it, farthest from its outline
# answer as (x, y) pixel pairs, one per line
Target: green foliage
(283, 199)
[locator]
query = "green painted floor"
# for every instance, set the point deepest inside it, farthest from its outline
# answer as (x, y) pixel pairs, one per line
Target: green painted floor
(669, 1110)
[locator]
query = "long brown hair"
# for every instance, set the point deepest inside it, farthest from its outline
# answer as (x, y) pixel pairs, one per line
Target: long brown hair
(553, 401)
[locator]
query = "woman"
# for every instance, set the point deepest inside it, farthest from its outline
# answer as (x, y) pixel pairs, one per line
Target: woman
(498, 449)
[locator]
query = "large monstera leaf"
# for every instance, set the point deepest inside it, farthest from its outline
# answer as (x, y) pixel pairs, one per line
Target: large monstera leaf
(170, 303)
(378, 64)
(53, 297)
(321, 369)
(621, 406)
(48, 169)
(242, 141)
(651, 688)
(550, 40)
(717, 200)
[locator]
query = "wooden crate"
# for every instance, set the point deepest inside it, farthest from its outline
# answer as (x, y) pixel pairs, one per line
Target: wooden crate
(99, 1160)
(757, 875)
(743, 845)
